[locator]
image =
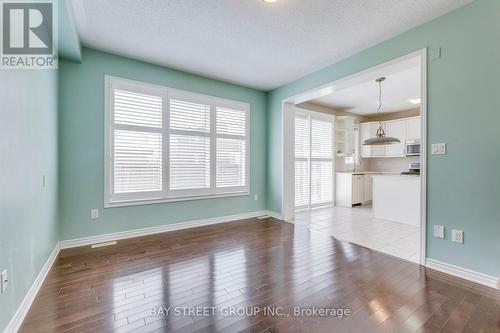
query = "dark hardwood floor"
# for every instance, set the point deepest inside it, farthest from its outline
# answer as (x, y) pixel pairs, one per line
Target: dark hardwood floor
(268, 264)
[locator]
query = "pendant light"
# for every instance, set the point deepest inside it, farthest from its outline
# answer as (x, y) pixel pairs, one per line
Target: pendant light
(380, 138)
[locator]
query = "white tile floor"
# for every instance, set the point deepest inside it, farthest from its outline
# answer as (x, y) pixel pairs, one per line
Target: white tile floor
(357, 226)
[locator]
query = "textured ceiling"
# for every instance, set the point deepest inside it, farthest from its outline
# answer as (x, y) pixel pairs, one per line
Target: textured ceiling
(249, 42)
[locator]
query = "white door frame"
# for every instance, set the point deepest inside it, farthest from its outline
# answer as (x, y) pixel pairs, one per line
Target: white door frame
(288, 132)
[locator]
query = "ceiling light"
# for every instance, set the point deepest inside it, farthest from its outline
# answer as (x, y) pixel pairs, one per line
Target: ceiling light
(414, 100)
(269, 1)
(380, 138)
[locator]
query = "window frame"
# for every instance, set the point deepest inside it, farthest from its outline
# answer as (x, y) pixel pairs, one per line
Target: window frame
(112, 199)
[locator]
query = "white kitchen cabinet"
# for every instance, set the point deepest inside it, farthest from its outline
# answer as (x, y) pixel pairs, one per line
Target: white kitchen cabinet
(364, 134)
(358, 192)
(349, 189)
(396, 129)
(367, 188)
(406, 129)
(396, 198)
(413, 131)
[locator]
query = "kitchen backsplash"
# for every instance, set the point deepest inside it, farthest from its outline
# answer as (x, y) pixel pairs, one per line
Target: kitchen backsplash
(389, 164)
(396, 164)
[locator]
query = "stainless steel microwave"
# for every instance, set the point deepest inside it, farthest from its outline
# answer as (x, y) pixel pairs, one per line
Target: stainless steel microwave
(412, 148)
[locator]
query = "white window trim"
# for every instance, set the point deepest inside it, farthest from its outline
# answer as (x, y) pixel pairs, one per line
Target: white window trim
(143, 198)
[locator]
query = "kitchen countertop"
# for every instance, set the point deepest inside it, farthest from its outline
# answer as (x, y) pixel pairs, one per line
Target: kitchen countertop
(377, 173)
(369, 172)
(399, 175)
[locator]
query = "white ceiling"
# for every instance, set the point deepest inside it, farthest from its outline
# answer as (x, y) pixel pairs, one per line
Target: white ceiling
(249, 42)
(363, 98)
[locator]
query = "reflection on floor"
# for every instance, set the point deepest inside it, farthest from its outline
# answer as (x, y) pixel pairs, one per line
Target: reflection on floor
(357, 226)
(200, 280)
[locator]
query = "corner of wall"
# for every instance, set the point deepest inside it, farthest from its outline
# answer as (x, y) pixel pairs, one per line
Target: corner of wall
(266, 130)
(69, 40)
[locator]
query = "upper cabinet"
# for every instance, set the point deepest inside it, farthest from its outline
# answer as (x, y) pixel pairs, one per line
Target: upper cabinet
(396, 129)
(344, 136)
(406, 129)
(413, 131)
(364, 134)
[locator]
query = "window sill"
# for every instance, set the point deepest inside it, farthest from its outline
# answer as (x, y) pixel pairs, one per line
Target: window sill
(139, 202)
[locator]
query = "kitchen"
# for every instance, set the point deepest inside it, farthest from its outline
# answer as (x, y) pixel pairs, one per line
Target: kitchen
(377, 130)
(381, 178)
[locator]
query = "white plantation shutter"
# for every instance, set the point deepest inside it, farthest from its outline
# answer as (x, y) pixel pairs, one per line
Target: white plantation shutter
(164, 144)
(138, 164)
(189, 162)
(301, 184)
(231, 164)
(231, 147)
(137, 143)
(137, 109)
(321, 138)
(321, 160)
(231, 122)
(302, 150)
(189, 145)
(313, 159)
(185, 115)
(321, 182)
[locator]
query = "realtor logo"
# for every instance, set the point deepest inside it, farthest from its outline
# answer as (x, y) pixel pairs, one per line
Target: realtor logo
(28, 31)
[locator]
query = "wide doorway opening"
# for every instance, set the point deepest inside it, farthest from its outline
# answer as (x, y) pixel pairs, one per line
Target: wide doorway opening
(354, 151)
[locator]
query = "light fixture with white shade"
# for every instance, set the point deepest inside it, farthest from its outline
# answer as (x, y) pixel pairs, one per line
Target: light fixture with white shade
(380, 138)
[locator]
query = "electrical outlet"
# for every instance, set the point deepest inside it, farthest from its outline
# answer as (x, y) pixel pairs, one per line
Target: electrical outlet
(94, 213)
(457, 236)
(4, 281)
(438, 149)
(438, 231)
(256, 197)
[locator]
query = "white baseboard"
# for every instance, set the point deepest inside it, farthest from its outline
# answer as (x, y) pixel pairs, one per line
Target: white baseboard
(274, 215)
(464, 273)
(66, 244)
(21, 312)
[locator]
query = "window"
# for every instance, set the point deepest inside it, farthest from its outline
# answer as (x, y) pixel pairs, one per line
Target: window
(313, 159)
(164, 144)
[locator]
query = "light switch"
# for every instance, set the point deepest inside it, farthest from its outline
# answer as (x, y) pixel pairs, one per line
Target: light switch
(435, 53)
(438, 149)
(457, 236)
(438, 231)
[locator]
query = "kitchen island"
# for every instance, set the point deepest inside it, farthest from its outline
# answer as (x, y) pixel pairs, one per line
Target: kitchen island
(396, 198)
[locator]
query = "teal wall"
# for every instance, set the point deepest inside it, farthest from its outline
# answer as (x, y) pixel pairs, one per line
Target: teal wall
(81, 146)
(28, 150)
(463, 111)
